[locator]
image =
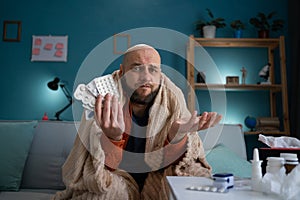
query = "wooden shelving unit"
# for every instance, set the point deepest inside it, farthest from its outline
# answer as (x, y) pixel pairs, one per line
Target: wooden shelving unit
(271, 44)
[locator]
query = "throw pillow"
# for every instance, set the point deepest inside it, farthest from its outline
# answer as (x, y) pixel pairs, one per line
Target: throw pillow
(50, 147)
(15, 142)
(224, 160)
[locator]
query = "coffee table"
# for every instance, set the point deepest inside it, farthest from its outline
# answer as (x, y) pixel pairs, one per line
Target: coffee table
(241, 190)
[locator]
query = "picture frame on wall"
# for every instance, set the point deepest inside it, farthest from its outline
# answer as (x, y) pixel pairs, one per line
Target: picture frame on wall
(121, 43)
(12, 31)
(232, 80)
(49, 48)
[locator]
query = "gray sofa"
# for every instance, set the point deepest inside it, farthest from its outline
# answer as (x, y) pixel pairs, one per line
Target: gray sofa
(49, 148)
(52, 141)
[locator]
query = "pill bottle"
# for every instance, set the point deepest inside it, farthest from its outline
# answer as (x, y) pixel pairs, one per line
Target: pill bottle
(290, 161)
(275, 165)
(223, 180)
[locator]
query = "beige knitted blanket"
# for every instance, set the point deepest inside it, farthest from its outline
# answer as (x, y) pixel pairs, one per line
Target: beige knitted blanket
(86, 176)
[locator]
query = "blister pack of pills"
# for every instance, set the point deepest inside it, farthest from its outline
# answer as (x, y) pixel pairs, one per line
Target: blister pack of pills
(208, 188)
(87, 93)
(106, 84)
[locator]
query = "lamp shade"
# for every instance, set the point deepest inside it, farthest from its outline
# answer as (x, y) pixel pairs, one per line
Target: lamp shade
(53, 85)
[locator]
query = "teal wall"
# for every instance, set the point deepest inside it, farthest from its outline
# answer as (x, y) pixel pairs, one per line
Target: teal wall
(87, 24)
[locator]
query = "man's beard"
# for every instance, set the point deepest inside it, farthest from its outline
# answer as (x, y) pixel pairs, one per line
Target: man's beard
(135, 97)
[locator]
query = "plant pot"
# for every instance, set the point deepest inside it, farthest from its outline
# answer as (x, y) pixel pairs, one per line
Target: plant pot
(238, 33)
(263, 34)
(209, 31)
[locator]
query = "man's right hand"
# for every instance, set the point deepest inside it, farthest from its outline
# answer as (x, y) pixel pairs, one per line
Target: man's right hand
(109, 116)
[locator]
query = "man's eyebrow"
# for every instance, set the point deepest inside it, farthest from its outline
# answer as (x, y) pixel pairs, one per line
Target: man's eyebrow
(150, 65)
(135, 64)
(155, 66)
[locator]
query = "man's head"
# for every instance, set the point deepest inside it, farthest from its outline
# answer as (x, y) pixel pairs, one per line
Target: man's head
(141, 72)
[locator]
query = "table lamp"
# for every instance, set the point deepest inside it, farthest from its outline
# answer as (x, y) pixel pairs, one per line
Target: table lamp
(53, 85)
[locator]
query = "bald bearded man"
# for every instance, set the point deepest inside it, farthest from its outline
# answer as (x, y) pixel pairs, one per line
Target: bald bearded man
(135, 141)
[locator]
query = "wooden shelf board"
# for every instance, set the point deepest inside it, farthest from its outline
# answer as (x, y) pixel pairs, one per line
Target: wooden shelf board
(237, 42)
(274, 87)
(267, 132)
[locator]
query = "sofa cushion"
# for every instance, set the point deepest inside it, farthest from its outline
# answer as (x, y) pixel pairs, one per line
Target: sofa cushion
(51, 145)
(15, 142)
(231, 135)
(223, 160)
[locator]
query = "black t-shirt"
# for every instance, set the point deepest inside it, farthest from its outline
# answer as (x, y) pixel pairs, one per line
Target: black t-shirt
(133, 156)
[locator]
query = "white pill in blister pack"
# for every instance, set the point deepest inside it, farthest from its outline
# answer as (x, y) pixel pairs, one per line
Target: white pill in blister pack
(208, 188)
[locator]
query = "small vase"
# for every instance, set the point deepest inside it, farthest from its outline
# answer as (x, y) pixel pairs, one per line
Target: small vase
(209, 31)
(238, 33)
(263, 34)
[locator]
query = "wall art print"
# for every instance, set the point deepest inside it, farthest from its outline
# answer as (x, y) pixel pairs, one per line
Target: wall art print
(49, 48)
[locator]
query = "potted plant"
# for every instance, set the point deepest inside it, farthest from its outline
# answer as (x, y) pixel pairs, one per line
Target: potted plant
(265, 23)
(208, 27)
(238, 26)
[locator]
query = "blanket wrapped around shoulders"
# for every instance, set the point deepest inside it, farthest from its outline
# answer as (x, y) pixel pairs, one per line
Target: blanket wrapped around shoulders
(87, 177)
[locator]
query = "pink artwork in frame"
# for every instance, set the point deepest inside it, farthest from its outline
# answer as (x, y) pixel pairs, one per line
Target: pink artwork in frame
(49, 48)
